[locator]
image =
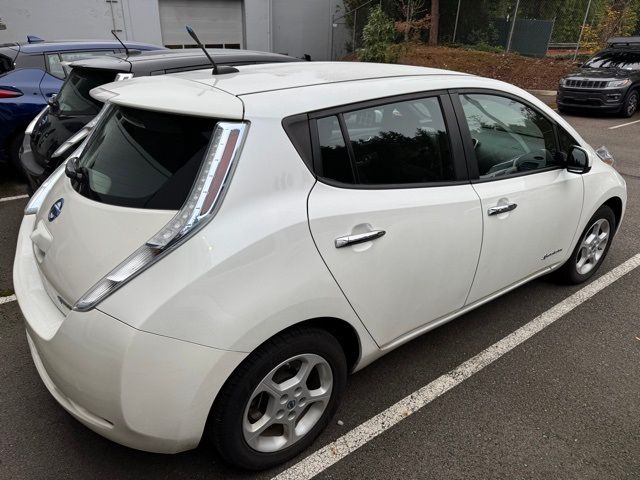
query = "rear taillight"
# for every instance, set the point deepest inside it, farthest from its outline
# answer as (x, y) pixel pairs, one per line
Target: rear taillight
(9, 92)
(201, 205)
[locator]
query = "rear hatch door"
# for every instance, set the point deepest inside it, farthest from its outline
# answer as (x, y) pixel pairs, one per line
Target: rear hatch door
(138, 168)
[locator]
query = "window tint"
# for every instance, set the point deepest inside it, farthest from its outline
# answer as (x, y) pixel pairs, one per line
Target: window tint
(144, 159)
(508, 136)
(565, 140)
(74, 97)
(400, 143)
(621, 59)
(335, 158)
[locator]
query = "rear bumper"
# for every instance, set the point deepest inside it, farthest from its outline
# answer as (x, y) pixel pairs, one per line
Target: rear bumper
(139, 389)
(605, 100)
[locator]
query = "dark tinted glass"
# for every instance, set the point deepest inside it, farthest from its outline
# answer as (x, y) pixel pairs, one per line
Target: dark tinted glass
(400, 143)
(74, 98)
(335, 159)
(509, 137)
(621, 59)
(6, 64)
(144, 159)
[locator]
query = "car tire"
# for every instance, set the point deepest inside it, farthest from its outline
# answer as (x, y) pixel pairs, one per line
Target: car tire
(589, 253)
(14, 153)
(630, 105)
(244, 404)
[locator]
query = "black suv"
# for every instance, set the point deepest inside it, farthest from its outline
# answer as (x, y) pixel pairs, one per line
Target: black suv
(59, 129)
(608, 81)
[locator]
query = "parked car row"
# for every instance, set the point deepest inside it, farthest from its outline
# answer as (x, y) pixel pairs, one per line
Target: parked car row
(220, 251)
(58, 130)
(31, 73)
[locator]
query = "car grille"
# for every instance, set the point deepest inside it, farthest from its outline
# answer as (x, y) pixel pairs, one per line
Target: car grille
(586, 83)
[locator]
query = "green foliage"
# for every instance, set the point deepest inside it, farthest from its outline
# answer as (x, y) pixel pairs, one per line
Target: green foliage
(378, 36)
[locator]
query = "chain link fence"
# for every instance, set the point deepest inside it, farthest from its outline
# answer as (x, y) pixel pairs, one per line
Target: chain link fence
(529, 27)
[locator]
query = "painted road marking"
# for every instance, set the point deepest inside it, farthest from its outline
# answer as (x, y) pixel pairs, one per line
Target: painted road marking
(16, 197)
(623, 125)
(330, 454)
(10, 298)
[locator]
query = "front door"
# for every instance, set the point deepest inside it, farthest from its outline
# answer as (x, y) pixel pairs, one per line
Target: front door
(394, 220)
(531, 204)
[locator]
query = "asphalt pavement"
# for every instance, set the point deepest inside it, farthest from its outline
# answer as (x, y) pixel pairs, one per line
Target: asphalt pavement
(564, 404)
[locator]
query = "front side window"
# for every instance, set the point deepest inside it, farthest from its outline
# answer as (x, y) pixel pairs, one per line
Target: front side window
(508, 136)
(74, 98)
(398, 143)
(143, 159)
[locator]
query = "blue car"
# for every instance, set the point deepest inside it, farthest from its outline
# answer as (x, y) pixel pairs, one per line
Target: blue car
(30, 73)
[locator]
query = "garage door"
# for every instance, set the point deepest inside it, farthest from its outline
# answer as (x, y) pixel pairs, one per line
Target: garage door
(218, 23)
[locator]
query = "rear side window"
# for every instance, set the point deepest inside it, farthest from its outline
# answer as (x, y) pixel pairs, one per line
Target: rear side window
(144, 159)
(398, 143)
(54, 60)
(6, 64)
(74, 98)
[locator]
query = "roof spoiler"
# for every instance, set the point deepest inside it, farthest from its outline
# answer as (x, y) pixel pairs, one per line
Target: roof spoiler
(623, 42)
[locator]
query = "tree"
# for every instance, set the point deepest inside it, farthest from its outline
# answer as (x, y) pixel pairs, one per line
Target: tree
(435, 20)
(377, 38)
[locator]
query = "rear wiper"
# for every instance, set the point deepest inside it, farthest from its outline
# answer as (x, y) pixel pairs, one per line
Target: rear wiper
(76, 173)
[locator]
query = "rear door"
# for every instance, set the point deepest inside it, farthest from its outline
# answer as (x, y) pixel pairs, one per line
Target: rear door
(393, 215)
(530, 203)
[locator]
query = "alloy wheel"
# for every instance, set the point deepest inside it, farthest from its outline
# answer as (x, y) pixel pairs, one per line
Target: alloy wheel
(287, 403)
(593, 245)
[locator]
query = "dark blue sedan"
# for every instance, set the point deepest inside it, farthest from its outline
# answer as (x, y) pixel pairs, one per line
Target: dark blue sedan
(30, 73)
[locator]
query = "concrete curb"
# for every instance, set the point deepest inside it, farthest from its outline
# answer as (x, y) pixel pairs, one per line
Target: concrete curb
(545, 93)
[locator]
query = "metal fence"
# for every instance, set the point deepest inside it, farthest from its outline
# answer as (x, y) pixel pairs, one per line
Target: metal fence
(530, 27)
(525, 26)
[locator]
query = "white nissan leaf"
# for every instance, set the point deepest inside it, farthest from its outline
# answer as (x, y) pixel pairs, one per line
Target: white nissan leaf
(224, 249)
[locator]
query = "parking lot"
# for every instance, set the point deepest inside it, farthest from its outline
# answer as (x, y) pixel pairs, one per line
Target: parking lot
(562, 404)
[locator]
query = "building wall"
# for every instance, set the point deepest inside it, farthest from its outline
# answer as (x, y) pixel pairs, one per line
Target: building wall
(295, 27)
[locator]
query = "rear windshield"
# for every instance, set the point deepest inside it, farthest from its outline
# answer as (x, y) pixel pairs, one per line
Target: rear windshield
(74, 98)
(144, 159)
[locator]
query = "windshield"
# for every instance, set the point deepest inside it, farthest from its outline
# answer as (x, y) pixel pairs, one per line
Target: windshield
(143, 159)
(74, 98)
(621, 60)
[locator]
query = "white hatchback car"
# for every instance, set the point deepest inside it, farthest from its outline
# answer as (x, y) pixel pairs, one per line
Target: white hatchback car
(224, 249)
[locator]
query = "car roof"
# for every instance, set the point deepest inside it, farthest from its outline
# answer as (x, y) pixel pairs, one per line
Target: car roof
(252, 79)
(70, 45)
(201, 93)
(150, 61)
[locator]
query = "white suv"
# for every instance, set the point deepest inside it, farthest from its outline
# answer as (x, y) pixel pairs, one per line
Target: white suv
(224, 249)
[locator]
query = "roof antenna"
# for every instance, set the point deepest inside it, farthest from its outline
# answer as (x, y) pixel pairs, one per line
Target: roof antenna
(113, 32)
(216, 70)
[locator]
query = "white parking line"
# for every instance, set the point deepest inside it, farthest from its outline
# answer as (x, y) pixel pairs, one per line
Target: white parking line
(322, 459)
(10, 298)
(623, 125)
(16, 197)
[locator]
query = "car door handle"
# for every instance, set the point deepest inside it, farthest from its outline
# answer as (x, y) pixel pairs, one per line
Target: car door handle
(502, 209)
(358, 238)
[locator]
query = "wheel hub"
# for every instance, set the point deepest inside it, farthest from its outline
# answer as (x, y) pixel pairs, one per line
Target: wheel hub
(287, 403)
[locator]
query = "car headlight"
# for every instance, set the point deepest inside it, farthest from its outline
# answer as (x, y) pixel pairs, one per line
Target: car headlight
(619, 83)
(563, 82)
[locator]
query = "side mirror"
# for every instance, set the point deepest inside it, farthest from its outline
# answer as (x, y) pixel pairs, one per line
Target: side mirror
(578, 160)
